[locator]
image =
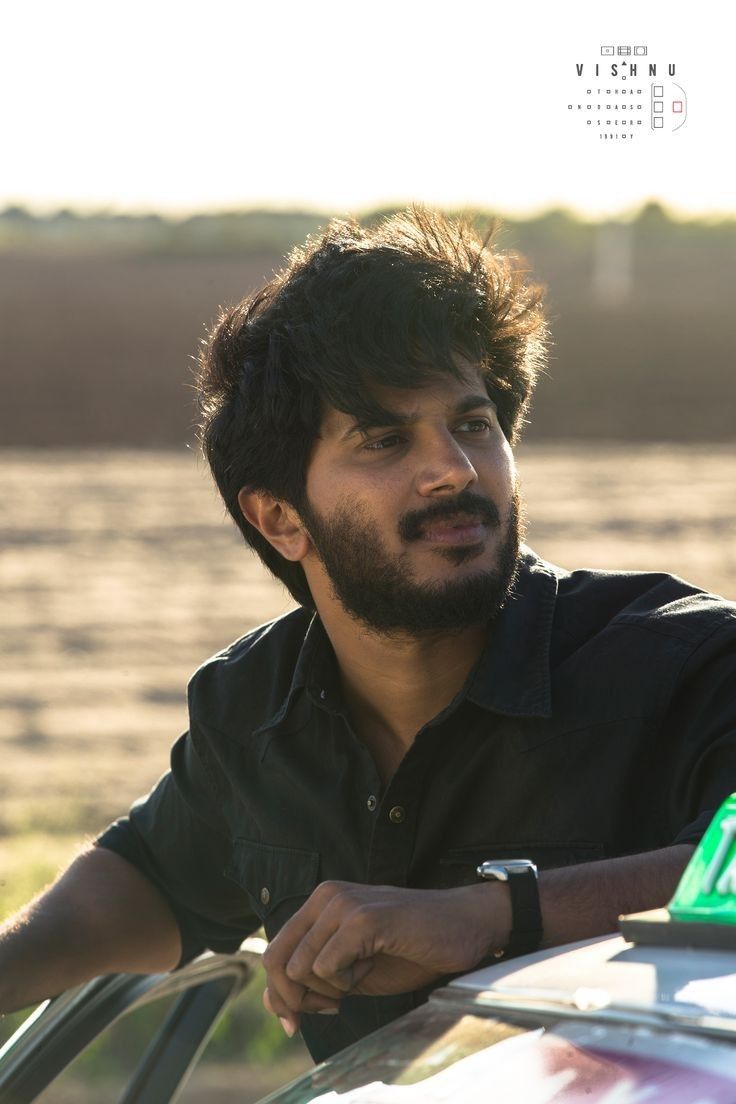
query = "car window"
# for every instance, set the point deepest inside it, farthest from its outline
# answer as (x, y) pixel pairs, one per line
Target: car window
(247, 1056)
(100, 1073)
(437, 1055)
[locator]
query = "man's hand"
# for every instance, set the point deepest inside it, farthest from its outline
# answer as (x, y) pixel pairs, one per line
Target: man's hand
(366, 939)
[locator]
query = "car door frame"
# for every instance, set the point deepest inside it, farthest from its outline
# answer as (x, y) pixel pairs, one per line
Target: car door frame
(49, 1040)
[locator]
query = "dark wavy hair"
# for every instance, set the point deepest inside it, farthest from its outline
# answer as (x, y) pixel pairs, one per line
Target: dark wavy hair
(390, 304)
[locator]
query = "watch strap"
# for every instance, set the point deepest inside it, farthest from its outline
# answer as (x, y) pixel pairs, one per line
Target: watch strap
(526, 912)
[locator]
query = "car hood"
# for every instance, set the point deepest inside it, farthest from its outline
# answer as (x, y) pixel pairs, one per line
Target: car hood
(674, 982)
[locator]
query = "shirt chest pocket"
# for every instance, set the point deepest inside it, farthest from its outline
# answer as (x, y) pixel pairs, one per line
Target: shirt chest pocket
(278, 880)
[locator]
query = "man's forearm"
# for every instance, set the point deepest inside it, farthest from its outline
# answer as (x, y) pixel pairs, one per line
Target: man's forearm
(101, 916)
(579, 902)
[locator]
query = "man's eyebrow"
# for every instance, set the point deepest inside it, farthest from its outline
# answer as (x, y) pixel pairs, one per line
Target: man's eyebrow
(393, 418)
(472, 402)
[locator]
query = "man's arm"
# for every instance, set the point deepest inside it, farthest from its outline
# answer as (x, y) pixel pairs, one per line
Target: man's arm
(382, 939)
(579, 902)
(101, 916)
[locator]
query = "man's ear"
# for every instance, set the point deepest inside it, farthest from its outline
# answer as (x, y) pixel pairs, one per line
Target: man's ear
(278, 522)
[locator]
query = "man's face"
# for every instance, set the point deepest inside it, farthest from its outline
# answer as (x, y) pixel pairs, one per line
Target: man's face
(417, 523)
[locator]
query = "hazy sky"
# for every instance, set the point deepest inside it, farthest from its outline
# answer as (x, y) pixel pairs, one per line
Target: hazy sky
(341, 106)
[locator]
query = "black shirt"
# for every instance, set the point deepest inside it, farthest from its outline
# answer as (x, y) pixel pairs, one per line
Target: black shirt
(599, 720)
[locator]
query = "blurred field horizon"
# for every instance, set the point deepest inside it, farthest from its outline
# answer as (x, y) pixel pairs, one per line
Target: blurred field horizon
(102, 316)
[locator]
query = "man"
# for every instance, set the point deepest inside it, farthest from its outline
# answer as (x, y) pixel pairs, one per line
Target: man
(441, 698)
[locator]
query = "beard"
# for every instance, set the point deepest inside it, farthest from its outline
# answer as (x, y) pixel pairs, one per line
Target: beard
(381, 591)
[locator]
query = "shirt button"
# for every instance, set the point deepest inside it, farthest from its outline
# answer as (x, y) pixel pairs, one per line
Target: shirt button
(265, 895)
(397, 814)
(371, 803)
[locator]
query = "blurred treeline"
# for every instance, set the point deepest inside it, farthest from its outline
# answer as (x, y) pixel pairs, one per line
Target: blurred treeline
(101, 316)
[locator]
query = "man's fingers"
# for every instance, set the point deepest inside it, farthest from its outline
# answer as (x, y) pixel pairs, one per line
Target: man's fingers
(287, 997)
(349, 978)
(340, 936)
(288, 961)
(290, 1020)
(345, 959)
(287, 994)
(310, 967)
(299, 967)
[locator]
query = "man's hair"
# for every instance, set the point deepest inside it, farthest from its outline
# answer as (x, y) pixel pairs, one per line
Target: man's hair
(355, 308)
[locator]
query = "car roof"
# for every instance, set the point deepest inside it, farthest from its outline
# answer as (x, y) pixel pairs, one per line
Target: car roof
(687, 985)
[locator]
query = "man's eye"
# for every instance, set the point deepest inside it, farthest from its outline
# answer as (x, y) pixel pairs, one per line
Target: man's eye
(475, 425)
(378, 444)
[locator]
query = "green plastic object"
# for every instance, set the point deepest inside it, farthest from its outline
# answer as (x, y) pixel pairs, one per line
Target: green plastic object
(707, 889)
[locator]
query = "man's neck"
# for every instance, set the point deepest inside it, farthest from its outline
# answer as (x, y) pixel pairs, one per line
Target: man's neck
(393, 686)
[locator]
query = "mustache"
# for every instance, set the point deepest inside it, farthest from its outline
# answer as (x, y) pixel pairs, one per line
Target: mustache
(411, 525)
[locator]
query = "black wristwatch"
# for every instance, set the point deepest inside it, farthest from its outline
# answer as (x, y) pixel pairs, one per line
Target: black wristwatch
(526, 914)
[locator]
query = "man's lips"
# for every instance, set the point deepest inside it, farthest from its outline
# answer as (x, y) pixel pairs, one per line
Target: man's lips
(466, 520)
(461, 530)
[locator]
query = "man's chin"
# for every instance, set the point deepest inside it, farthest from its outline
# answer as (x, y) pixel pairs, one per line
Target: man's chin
(432, 607)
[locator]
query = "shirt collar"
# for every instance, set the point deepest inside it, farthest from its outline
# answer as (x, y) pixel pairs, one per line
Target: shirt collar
(512, 675)
(315, 672)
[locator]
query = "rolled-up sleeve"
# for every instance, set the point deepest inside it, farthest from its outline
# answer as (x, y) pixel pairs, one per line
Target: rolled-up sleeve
(178, 838)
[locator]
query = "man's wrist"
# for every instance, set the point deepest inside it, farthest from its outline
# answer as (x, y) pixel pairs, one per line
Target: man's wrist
(493, 919)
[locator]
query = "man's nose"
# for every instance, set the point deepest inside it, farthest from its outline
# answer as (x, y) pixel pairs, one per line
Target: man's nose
(445, 468)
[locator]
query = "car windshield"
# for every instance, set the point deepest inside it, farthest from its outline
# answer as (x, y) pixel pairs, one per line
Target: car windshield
(440, 1053)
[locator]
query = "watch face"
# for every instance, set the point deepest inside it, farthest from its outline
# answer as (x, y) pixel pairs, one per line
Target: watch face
(500, 870)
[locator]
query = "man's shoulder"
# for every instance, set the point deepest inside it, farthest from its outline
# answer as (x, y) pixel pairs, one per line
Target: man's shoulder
(256, 671)
(590, 600)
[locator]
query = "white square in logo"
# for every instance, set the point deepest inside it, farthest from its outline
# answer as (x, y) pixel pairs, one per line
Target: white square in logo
(658, 106)
(659, 90)
(607, 51)
(658, 122)
(640, 51)
(677, 105)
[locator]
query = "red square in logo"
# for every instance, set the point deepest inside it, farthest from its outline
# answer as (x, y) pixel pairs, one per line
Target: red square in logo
(677, 105)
